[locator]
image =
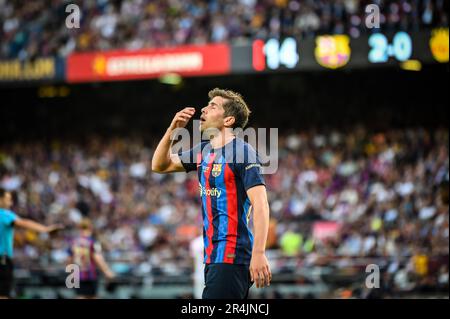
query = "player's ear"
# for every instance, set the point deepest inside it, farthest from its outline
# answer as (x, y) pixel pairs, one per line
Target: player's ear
(229, 121)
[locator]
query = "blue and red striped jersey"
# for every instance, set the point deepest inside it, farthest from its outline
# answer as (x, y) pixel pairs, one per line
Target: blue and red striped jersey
(225, 174)
(82, 250)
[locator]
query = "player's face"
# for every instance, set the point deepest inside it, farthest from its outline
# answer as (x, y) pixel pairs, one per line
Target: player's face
(212, 116)
(6, 201)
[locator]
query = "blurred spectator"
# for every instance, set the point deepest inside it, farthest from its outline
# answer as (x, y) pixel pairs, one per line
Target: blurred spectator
(386, 190)
(37, 28)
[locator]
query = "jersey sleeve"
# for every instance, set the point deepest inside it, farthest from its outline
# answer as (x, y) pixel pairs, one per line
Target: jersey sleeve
(189, 158)
(8, 218)
(250, 170)
(96, 247)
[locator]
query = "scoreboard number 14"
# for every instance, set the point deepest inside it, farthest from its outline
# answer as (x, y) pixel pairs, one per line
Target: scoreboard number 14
(273, 54)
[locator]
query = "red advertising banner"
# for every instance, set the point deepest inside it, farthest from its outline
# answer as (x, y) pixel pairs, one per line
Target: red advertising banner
(211, 59)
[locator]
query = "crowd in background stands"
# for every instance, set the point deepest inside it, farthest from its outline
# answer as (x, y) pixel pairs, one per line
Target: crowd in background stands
(383, 189)
(38, 28)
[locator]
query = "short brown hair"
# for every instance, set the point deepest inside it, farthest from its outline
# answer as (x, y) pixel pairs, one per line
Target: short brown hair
(235, 106)
(3, 192)
(85, 224)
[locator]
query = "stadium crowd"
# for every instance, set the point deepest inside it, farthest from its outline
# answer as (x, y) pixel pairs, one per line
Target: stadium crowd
(38, 28)
(380, 191)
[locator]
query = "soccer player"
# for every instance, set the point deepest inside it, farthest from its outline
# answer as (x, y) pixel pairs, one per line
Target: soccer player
(9, 220)
(231, 187)
(196, 251)
(85, 252)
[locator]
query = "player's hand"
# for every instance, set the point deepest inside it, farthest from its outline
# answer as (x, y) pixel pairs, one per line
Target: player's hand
(260, 271)
(182, 118)
(110, 275)
(54, 228)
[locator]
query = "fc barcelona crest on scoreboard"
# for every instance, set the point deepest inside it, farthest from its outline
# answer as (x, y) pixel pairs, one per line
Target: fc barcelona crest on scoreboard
(217, 170)
(332, 51)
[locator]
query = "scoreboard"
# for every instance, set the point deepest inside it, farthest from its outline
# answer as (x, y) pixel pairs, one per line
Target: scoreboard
(341, 51)
(324, 52)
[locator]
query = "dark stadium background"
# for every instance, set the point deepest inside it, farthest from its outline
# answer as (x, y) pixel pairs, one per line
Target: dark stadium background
(378, 99)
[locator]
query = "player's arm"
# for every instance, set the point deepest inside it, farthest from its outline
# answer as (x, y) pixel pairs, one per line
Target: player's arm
(259, 266)
(101, 263)
(32, 225)
(163, 161)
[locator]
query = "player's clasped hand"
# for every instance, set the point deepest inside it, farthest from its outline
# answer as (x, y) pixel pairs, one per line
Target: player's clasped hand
(260, 271)
(182, 118)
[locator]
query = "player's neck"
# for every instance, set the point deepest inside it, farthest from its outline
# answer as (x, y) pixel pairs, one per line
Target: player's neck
(222, 139)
